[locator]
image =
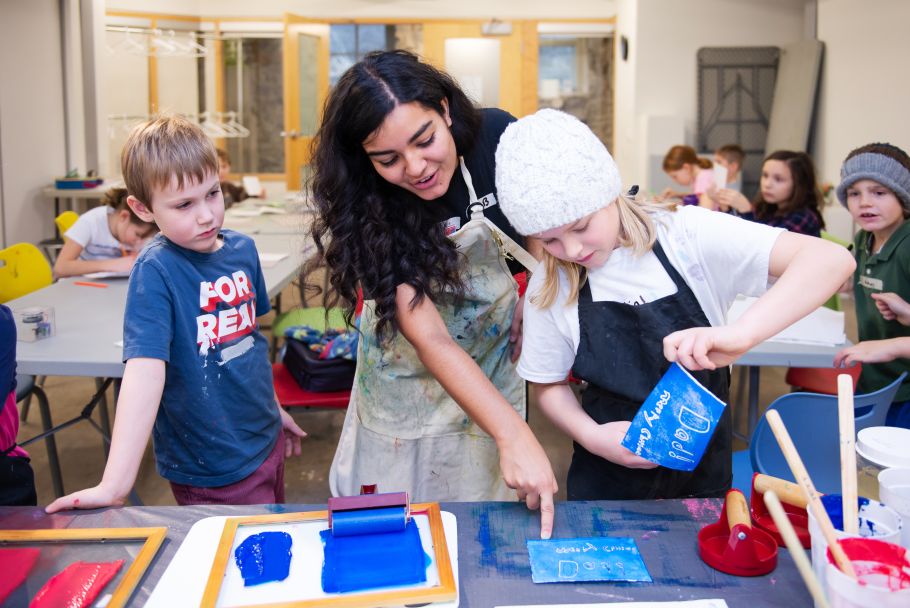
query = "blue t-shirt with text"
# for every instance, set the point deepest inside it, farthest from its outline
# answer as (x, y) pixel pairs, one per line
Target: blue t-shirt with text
(218, 420)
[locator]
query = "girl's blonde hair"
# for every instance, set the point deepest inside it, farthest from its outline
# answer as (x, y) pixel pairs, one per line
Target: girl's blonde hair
(636, 231)
(678, 156)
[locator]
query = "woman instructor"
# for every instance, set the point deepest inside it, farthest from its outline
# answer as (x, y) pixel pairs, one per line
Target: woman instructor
(403, 185)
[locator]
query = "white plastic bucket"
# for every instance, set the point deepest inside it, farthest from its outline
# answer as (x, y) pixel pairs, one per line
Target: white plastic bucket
(883, 576)
(875, 521)
(894, 491)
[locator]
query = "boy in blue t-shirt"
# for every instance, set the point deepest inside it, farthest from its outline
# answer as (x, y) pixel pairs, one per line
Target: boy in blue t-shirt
(197, 368)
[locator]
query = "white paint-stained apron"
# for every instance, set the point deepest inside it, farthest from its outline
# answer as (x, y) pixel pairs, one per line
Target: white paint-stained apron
(402, 430)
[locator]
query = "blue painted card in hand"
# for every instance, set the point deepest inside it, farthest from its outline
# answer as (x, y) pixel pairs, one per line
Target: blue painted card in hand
(586, 559)
(676, 421)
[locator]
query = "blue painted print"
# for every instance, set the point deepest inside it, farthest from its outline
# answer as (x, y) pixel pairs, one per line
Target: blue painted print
(370, 561)
(264, 558)
(586, 559)
(676, 421)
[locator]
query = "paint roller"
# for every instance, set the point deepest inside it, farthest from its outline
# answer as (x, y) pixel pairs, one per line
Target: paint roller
(368, 513)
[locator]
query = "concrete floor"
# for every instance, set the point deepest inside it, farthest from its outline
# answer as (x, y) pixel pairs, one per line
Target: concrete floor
(306, 477)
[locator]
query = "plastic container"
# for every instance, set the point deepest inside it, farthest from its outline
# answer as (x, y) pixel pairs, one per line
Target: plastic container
(882, 576)
(875, 521)
(894, 489)
(34, 323)
(879, 448)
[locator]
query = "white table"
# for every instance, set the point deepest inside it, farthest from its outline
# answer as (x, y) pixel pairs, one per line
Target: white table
(90, 319)
(781, 354)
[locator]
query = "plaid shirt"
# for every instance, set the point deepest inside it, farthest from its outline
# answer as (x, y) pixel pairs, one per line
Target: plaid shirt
(803, 221)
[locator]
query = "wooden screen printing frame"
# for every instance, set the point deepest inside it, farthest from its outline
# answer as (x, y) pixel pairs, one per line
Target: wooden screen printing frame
(445, 591)
(151, 537)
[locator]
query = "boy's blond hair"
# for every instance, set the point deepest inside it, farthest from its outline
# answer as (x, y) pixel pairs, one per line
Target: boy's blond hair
(162, 148)
(636, 231)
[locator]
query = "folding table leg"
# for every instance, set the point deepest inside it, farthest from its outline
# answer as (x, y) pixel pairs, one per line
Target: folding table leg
(52, 460)
(104, 415)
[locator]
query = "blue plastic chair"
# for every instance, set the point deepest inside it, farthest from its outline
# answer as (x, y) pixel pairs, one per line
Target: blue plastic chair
(812, 422)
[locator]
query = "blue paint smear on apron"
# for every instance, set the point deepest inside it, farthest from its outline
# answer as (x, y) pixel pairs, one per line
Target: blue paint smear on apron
(264, 558)
(370, 561)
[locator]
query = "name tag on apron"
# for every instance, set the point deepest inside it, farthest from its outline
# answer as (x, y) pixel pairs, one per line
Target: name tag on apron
(488, 201)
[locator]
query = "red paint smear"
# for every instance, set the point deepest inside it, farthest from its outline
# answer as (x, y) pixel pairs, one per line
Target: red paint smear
(15, 564)
(703, 509)
(76, 586)
(886, 562)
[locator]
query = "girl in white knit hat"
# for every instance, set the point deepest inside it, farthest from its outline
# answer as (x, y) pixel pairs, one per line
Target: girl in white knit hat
(627, 287)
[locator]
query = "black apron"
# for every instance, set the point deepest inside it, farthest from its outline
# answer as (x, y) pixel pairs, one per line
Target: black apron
(620, 354)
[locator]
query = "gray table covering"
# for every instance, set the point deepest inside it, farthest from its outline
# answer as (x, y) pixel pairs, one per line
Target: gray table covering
(493, 558)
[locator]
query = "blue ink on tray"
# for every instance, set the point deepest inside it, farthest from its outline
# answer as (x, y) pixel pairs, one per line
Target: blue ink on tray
(586, 559)
(370, 561)
(264, 558)
(675, 423)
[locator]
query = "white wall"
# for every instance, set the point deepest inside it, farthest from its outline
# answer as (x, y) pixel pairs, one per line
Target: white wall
(865, 85)
(32, 133)
(659, 78)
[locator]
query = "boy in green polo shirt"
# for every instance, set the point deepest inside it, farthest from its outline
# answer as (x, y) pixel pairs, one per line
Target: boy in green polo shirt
(875, 188)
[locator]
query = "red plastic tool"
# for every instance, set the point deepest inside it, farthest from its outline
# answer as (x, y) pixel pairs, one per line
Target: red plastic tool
(733, 546)
(793, 500)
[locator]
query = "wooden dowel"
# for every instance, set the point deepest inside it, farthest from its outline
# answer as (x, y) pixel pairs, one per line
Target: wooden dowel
(796, 548)
(805, 482)
(847, 426)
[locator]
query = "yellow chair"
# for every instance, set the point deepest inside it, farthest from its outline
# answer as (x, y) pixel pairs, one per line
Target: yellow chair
(23, 269)
(65, 221)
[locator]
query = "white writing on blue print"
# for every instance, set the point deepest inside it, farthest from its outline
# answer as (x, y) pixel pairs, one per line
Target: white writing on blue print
(689, 422)
(591, 547)
(569, 569)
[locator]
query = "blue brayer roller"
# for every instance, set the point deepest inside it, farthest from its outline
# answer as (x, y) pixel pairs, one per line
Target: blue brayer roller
(368, 513)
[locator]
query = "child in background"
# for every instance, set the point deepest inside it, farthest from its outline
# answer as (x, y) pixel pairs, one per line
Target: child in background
(197, 368)
(233, 193)
(687, 168)
(788, 195)
(104, 239)
(17, 480)
(626, 287)
(731, 157)
(875, 188)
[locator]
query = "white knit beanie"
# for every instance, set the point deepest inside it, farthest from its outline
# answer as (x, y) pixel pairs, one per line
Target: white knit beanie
(551, 170)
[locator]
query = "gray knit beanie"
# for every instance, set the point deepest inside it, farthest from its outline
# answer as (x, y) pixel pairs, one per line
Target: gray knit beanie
(879, 163)
(551, 170)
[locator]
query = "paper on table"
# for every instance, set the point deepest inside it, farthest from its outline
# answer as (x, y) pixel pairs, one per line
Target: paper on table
(720, 176)
(268, 260)
(252, 185)
(244, 212)
(822, 326)
(107, 275)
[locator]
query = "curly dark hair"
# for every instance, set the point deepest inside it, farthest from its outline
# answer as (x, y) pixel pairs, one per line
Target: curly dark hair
(371, 234)
(806, 193)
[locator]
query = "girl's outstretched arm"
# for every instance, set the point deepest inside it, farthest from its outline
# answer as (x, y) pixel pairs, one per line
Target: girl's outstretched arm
(873, 351)
(524, 464)
(808, 271)
(560, 405)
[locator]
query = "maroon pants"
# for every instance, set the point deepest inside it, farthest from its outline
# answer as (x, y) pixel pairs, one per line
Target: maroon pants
(263, 486)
